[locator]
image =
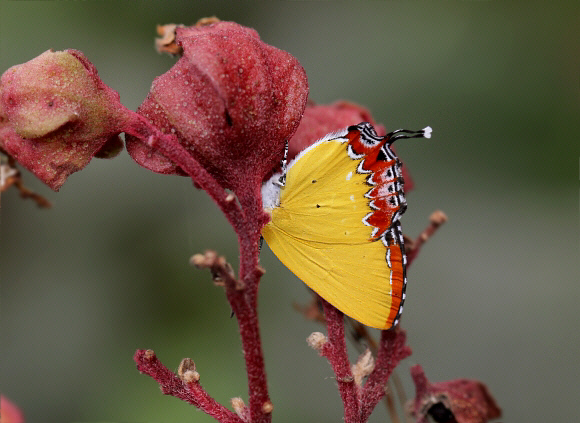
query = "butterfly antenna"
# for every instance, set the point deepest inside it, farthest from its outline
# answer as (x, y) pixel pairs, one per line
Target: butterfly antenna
(405, 133)
(282, 181)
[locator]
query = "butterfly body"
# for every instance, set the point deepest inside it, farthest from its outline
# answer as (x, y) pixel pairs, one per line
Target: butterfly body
(335, 223)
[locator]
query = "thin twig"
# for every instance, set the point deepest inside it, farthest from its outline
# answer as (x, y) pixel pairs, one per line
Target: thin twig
(190, 391)
(392, 350)
(260, 405)
(11, 176)
(336, 353)
(169, 146)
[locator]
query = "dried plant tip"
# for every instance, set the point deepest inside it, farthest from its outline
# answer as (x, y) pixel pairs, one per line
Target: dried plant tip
(210, 257)
(317, 340)
(8, 175)
(363, 367)
(438, 218)
(149, 355)
(218, 268)
(221, 271)
(238, 404)
(207, 21)
(240, 408)
(197, 260)
(11, 176)
(190, 376)
(186, 371)
(186, 365)
(204, 260)
(166, 43)
(267, 407)
(164, 30)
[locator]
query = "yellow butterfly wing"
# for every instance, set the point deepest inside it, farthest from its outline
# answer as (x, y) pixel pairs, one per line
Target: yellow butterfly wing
(318, 232)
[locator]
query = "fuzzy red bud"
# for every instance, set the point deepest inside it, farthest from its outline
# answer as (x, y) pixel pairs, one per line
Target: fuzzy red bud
(56, 114)
(231, 99)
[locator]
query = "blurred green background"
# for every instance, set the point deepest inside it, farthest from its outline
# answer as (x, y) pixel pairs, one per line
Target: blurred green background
(493, 296)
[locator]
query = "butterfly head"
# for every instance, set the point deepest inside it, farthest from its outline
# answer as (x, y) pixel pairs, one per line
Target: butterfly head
(271, 192)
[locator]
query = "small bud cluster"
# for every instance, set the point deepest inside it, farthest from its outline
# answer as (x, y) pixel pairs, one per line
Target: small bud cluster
(363, 367)
(186, 371)
(317, 340)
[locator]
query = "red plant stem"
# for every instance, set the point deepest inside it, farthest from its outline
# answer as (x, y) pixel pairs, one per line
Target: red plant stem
(193, 393)
(169, 146)
(250, 333)
(392, 350)
(249, 238)
(243, 299)
(336, 353)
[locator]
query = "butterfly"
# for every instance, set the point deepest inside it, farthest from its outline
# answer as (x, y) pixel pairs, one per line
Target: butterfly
(335, 222)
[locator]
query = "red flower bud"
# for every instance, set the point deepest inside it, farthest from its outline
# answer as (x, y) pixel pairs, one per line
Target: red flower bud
(459, 400)
(56, 114)
(231, 99)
